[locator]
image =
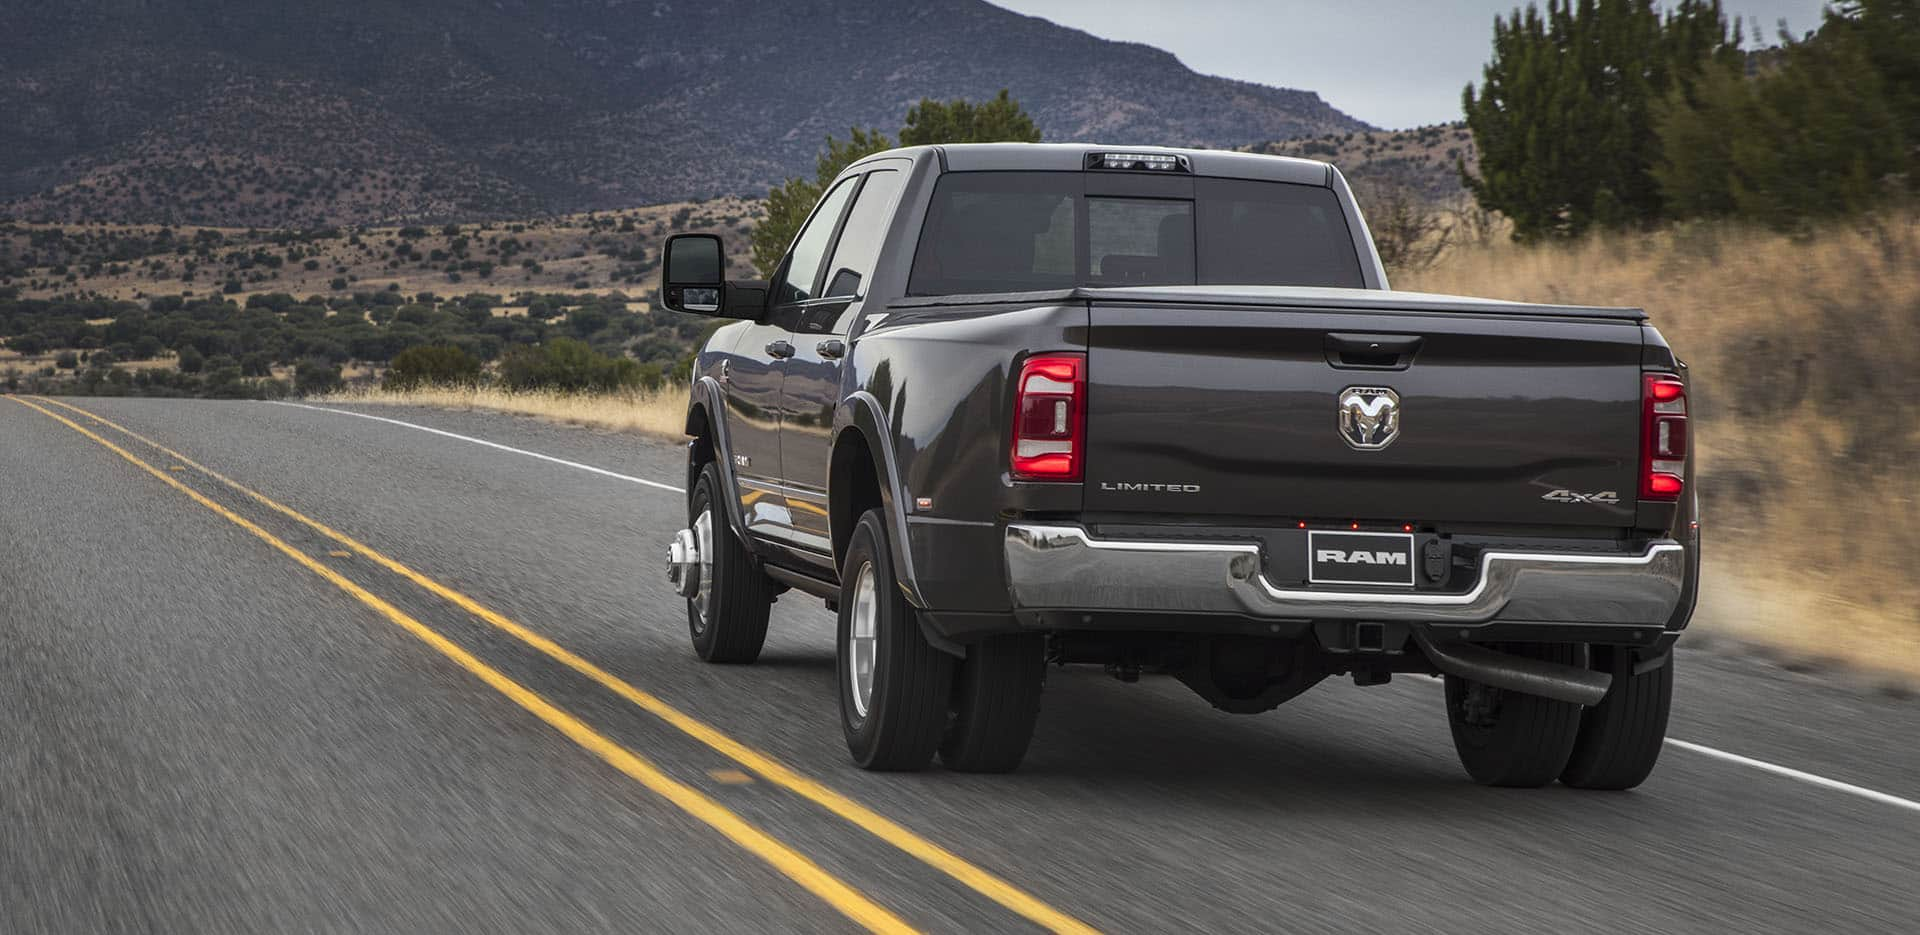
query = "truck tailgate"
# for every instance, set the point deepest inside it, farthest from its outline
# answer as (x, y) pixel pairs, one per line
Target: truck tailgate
(1234, 412)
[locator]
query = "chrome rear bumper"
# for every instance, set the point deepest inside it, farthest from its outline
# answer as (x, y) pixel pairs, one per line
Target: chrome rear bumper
(1060, 567)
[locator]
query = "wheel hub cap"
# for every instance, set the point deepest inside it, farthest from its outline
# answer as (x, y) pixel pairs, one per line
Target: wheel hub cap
(693, 573)
(862, 644)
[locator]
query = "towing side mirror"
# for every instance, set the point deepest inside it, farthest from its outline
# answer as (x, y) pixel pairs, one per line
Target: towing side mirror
(692, 279)
(690, 273)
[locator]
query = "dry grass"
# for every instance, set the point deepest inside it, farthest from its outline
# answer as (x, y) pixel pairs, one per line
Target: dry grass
(659, 412)
(1803, 352)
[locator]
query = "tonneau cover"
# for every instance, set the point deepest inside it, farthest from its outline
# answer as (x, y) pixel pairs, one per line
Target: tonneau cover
(1281, 297)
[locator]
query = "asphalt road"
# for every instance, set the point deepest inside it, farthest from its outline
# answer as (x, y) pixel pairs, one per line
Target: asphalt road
(485, 717)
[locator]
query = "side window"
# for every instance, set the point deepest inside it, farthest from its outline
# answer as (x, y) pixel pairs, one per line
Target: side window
(859, 246)
(810, 248)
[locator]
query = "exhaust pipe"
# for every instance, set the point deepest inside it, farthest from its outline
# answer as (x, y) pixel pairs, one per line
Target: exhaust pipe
(1514, 673)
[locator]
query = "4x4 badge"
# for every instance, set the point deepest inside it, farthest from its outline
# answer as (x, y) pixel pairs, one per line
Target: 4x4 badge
(1563, 495)
(1369, 417)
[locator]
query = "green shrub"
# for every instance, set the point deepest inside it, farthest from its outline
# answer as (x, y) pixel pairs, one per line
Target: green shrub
(569, 364)
(432, 365)
(316, 375)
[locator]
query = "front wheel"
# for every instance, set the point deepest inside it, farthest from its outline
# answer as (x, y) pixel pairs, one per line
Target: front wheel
(1509, 738)
(727, 614)
(894, 685)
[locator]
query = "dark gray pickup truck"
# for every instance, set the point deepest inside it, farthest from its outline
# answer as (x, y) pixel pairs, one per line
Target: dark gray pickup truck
(1010, 405)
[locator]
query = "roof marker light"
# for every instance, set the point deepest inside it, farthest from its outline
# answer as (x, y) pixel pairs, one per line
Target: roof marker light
(1153, 162)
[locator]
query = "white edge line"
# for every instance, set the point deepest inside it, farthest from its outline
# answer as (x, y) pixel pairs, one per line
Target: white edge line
(481, 441)
(1761, 765)
(1809, 778)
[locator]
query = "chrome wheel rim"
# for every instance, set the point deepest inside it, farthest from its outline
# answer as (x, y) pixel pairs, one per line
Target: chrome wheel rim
(862, 644)
(702, 599)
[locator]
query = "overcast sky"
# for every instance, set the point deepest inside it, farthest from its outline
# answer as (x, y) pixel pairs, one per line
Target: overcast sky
(1392, 63)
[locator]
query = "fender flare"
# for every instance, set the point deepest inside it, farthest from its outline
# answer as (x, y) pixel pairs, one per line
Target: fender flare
(860, 411)
(706, 398)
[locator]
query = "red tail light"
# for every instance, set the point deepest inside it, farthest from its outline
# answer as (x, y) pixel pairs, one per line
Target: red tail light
(1663, 437)
(1050, 418)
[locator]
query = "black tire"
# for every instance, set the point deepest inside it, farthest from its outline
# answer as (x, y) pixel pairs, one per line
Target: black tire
(740, 596)
(911, 682)
(1621, 737)
(996, 700)
(1508, 738)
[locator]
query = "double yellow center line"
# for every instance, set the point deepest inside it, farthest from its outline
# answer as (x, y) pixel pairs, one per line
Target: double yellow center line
(796, 866)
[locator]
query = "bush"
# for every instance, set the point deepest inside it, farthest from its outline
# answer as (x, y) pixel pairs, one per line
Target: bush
(191, 360)
(67, 360)
(570, 365)
(316, 375)
(432, 365)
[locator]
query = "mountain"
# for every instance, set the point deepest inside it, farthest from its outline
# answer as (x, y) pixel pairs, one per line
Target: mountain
(306, 112)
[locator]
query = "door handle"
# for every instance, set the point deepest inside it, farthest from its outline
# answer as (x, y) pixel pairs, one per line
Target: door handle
(726, 371)
(832, 348)
(1372, 351)
(779, 350)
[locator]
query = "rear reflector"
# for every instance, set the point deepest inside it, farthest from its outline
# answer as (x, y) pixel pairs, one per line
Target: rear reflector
(1663, 437)
(1049, 418)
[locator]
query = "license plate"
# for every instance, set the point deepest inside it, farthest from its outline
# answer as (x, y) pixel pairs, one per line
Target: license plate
(1380, 558)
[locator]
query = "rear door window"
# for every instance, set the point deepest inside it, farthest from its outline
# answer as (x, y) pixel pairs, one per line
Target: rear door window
(859, 244)
(810, 248)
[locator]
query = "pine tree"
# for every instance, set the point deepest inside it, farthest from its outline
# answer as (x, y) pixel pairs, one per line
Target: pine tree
(1822, 127)
(1564, 118)
(958, 121)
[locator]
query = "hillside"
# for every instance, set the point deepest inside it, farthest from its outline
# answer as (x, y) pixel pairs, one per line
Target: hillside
(1423, 161)
(586, 253)
(313, 112)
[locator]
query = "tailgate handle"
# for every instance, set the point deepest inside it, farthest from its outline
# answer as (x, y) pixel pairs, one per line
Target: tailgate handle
(1372, 351)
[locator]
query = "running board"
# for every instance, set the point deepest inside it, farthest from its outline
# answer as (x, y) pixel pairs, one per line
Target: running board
(808, 583)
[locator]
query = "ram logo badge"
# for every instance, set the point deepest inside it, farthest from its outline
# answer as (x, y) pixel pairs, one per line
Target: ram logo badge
(1369, 417)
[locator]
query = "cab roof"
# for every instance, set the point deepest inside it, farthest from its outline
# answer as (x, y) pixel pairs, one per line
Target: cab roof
(1072, 157)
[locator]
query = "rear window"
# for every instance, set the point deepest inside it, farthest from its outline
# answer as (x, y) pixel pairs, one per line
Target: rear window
(1026, 231)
